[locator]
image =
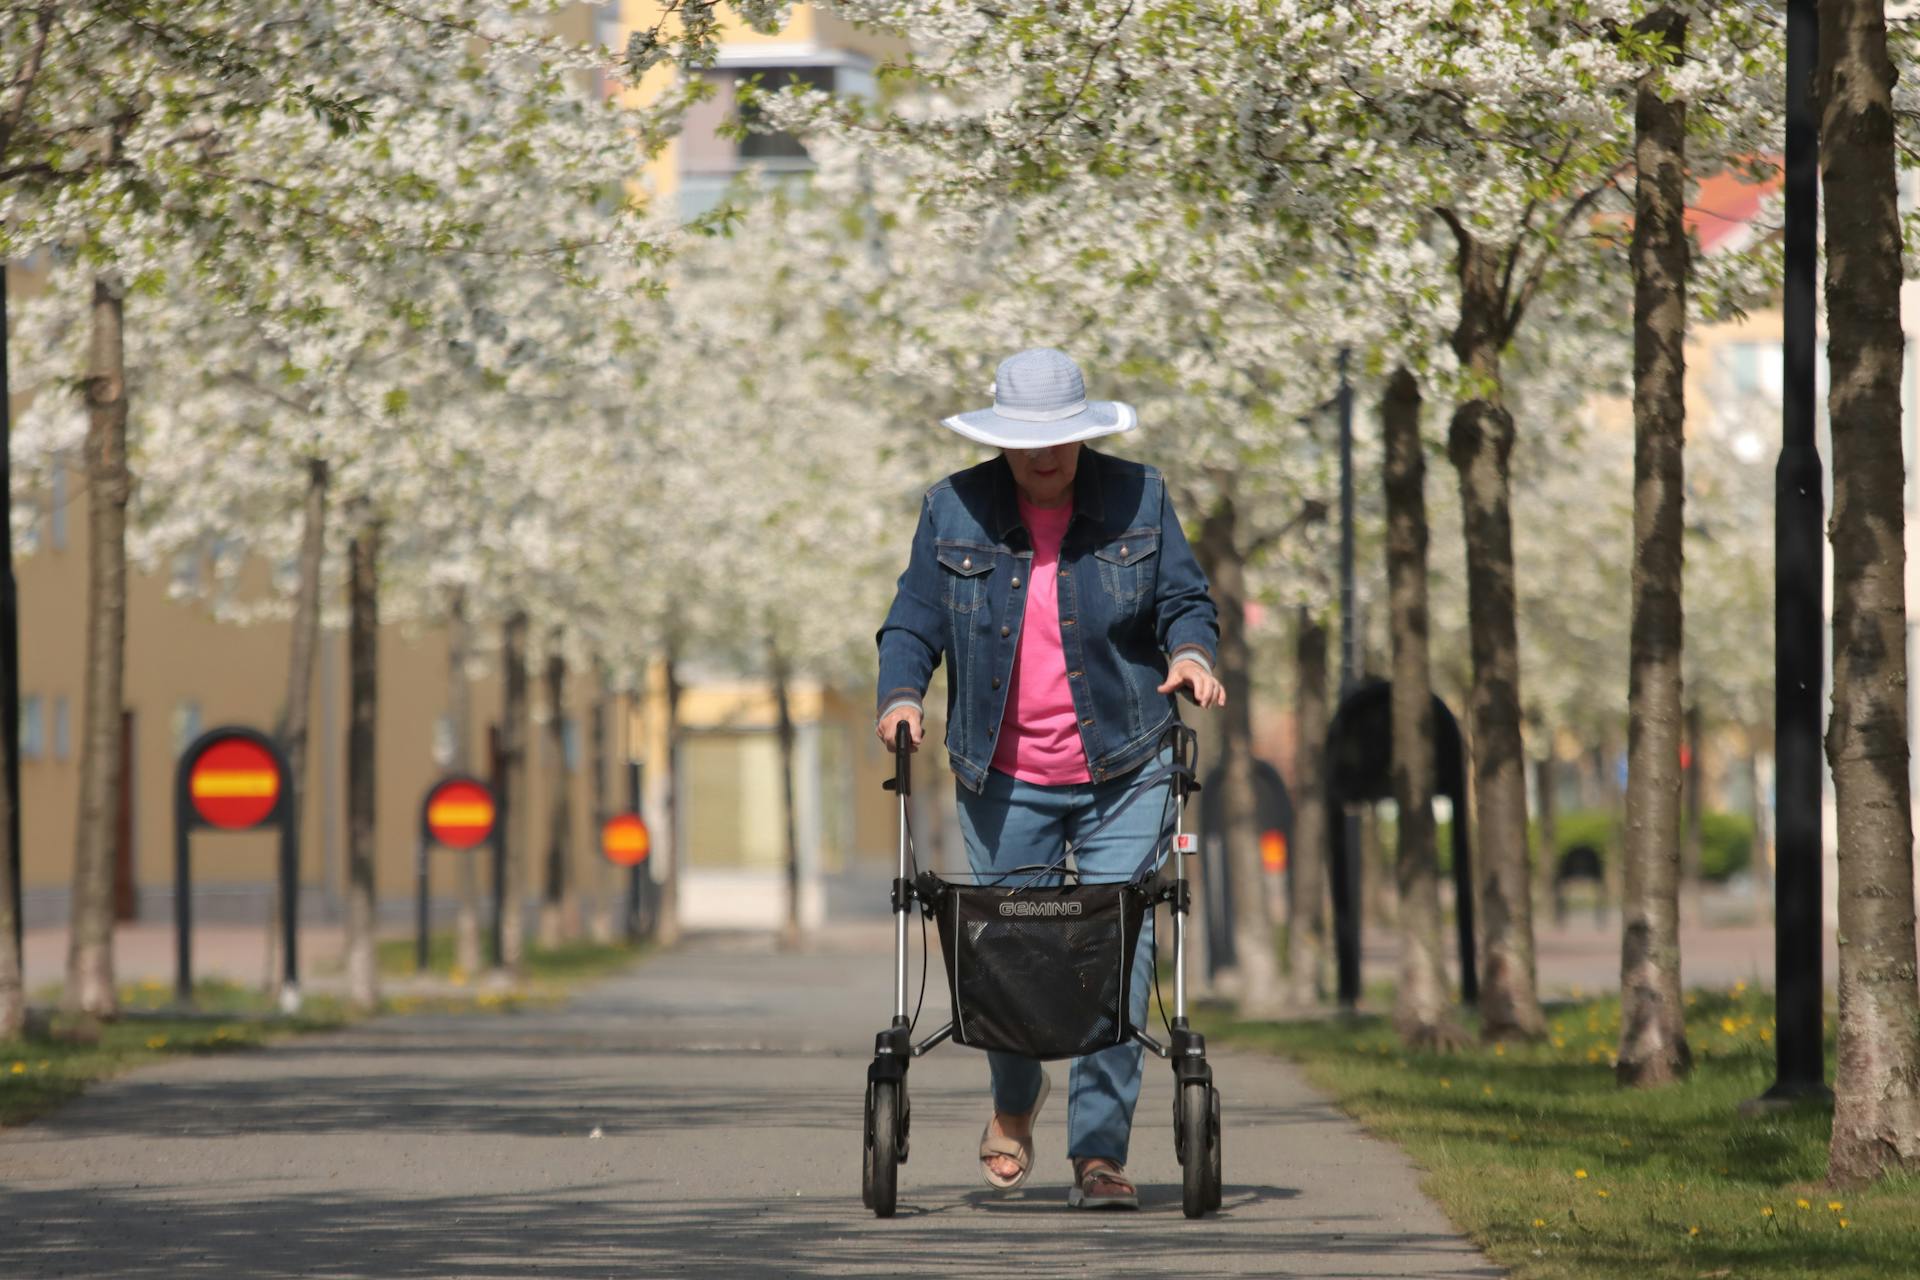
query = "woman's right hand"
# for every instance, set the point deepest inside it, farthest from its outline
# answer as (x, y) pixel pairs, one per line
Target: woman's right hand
(910, 716)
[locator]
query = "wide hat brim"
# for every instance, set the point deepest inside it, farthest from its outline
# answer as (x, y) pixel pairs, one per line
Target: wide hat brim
(988, 426)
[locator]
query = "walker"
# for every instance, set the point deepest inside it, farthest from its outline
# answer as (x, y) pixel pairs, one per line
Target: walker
(1039, 963)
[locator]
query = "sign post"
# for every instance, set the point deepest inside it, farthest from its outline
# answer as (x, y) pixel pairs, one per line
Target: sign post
(624, 842)
(458, 813)
(234, 779)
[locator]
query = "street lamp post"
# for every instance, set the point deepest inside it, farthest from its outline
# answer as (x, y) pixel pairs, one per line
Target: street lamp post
(1799, 616)
(9, 640)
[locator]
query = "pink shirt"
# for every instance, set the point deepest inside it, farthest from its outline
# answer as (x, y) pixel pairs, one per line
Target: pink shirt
(1040, 731)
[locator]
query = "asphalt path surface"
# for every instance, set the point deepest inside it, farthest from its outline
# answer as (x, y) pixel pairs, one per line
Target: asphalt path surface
(698, 1117)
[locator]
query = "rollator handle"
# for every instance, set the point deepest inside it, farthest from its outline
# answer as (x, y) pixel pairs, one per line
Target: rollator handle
(902, 759)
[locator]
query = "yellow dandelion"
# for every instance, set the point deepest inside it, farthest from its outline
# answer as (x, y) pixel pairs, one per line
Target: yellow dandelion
(1487, 1089)
(19, 1068)
(1693, 1231)
(1834, 1206)
(1446, 1084)
(1603, 1193)
(1539, 1222)
(156, 1042)
(1803, 1203)
(1729, 1026)
(1559, 1042)
(1739, 988)
(1579, 1173)
(1766, 1211)
(1843, 1224)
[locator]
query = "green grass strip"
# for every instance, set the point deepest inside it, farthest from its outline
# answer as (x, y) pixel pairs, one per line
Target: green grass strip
(1559, 1174)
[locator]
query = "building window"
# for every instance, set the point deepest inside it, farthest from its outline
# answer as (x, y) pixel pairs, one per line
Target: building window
(443, 743)
(62, 729)
(779, 147)
(57, 507)
(570, 744)
(27, 522)
(186, 724)
(33, 730)
(186, 573)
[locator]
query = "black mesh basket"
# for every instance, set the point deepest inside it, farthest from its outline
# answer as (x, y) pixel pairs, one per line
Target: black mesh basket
(1042, 971)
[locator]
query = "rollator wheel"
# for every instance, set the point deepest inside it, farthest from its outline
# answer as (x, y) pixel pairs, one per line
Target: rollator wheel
(1215, 1134)
(1196, 1123)
(880, 1170)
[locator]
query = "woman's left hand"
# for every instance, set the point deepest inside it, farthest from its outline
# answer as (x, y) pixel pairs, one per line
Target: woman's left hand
(1197, 681)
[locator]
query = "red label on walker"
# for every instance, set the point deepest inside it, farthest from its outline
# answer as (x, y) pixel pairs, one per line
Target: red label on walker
(1186, 842)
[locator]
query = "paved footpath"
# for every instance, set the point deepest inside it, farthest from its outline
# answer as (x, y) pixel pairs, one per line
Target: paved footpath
(724, 1082)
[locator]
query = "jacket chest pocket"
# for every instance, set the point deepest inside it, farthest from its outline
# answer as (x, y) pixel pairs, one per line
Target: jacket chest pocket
(966, 571)
(1127, 564)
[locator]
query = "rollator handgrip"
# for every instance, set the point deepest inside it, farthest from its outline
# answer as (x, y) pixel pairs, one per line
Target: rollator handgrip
(902, 759)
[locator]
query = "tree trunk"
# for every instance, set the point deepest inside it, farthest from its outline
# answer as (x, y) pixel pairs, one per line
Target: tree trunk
(1693, 778)
(1307, 930)
(790, 831)
(1256, 984)
(668, 929)
(303, 644)
(1876, 1113)
(89, 986)
(466, 921)
(513, 746)
(553, 900)
(600, 920)
(1653, 1028)
(1422, 1005)
(1480, 446)
(363, 644)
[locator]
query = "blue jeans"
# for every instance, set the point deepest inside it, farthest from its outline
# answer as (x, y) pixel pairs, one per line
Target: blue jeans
(1010, 823)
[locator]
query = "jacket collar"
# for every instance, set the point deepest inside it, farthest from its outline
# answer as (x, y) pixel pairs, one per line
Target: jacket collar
(1087, 493)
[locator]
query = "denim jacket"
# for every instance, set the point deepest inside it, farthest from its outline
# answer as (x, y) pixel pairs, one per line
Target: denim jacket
(1132, 599)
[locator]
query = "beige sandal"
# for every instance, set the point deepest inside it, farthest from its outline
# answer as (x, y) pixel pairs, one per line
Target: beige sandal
(1018, 1150)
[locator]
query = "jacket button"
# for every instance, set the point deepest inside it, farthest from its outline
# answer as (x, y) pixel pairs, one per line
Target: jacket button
(1016, 584)
(967, 563)
(996, 682)
(1123, 553)
(1005, 632)
(1066, 622)
(1074, 674)
(1088, 720)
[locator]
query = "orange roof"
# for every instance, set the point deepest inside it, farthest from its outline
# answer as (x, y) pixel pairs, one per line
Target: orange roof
(1725, 203)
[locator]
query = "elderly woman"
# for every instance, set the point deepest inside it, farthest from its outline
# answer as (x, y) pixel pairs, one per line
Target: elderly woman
(1058, 586)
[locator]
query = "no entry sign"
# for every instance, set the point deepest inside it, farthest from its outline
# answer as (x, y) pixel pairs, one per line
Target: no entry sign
(459, 813)
(624, 841)
(235, 779)
(1273, 849)
(235, 782)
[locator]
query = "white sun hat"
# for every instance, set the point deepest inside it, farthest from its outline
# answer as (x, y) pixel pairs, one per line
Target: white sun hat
(1040, 399)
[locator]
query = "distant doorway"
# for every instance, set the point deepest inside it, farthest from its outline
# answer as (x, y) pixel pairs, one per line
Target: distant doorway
(126, 892)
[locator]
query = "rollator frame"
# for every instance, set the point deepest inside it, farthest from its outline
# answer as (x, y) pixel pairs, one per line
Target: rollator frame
(1196, 1105)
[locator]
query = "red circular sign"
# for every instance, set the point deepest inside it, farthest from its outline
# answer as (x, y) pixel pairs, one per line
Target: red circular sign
(624, 840)
(460, 813)
(235, 784)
